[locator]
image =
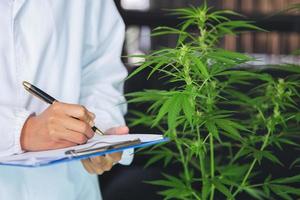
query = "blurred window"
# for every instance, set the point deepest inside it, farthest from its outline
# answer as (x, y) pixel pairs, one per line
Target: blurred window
(138, 42)
(142, 5)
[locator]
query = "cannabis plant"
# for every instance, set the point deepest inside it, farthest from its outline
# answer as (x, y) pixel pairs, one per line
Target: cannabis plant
(224, 120)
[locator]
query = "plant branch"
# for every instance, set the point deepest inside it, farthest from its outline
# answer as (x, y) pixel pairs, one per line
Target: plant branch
(266, 140)
(212, 165)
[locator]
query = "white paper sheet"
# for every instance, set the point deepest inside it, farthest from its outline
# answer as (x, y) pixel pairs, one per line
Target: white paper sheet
(95, 142)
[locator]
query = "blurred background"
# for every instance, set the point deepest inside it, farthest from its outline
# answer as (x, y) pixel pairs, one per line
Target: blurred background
(141, 17)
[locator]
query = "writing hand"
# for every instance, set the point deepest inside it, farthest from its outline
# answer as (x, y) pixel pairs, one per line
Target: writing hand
(60, 125)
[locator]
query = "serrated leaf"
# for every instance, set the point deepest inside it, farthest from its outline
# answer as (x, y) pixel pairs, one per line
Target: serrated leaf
(233, 172)
(239, 24)
(266, 190)
(284, 191)
(201, 67)
(139, 69)
(229, 182)
(297, 161)
(212, 128)
(292, 179)
(228, 126)
(156, 67)
(271, 157)
(239, 95)
(153, 159)
(165, 183)
(222, 188)
(257, 194)
(188, 108)
(167, 160)
(288, 141)
(233, 55)
(175, 193)
(175, 108)
(162, 111)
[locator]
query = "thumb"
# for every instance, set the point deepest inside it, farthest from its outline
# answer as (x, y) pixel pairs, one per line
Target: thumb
(121, 130)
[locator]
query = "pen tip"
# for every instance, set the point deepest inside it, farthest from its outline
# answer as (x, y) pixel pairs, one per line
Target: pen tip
(26, 84)
(99, 132)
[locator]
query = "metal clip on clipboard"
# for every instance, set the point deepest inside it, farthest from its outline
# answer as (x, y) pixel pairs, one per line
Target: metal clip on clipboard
(87, 151)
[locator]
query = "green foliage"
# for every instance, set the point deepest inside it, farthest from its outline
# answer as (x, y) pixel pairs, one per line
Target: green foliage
(221, 118)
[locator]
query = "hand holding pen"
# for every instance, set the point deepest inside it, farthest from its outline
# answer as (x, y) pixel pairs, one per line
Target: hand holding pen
(60, 125)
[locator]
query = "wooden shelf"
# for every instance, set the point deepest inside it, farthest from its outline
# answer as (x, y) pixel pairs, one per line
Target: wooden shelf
(282, 23)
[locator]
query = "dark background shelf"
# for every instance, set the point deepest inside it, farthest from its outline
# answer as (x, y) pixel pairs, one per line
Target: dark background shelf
(282, 23)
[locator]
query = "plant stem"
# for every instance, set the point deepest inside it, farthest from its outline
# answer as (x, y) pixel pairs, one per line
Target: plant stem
(233, 160)
(202, 164)
(252, 165)
(183, 161)
(212, 165)
(236, 156)
(196, 196)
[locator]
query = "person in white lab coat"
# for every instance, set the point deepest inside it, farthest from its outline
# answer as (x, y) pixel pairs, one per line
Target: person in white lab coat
(71, 49)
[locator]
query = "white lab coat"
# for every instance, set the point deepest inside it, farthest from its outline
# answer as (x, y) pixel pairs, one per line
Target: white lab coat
(71, 49)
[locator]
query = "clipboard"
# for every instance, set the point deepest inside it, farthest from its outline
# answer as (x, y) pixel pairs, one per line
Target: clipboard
(72, 154)
(87, 151)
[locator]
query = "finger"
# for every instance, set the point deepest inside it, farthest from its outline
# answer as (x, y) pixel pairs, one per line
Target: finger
(98, 164)
(92, 115)
(64, 144)
(85, 115)
(108, 163)
(91, 123)
(77, 126)
(76, 111)
(122, 130)
(104, 163)
(116, 157)
(70, 136)
(61, 144)
(88, 166)
(98, 160)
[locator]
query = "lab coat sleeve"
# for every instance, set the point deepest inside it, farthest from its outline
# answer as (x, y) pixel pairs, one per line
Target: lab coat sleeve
(11, 123)
(103, 72)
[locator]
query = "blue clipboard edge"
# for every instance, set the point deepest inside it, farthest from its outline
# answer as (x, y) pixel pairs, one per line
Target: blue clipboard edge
(69, 159)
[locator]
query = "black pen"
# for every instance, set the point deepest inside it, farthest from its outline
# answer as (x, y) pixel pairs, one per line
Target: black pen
(47, 98)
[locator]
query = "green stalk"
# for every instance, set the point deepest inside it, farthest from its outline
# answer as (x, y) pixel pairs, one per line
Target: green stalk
(196, 196)
(212, 165)
(202, 165)
(266, 140)
(233, 160)
(203, 172)
(236, 155)
(183, 161)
